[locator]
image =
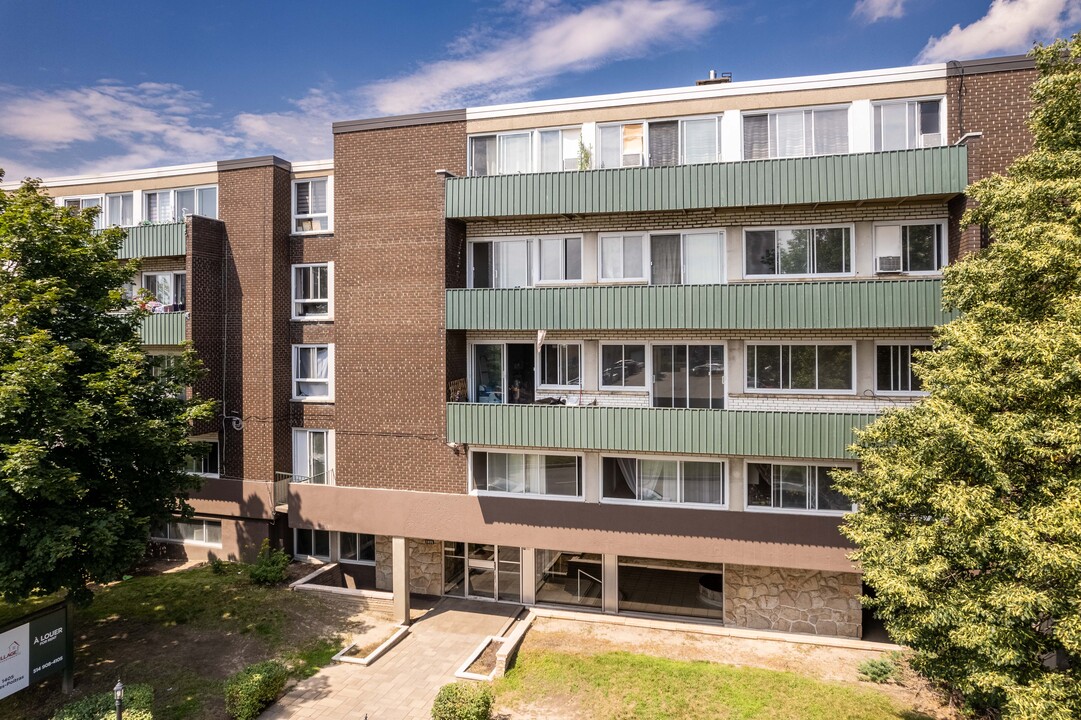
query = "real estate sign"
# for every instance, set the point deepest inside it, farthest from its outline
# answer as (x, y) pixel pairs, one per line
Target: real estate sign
(37, 648)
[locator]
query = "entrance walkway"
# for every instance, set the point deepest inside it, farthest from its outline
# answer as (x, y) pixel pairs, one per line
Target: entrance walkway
(402, 684)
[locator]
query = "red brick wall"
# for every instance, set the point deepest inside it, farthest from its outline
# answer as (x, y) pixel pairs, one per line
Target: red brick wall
(390, 275)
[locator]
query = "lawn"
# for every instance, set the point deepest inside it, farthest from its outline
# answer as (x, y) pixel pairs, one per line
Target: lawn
(184, 633)
(625, 686)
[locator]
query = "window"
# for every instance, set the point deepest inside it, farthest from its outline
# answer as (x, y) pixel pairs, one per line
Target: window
(313, 456)
(622, 257)
(505, 263)
(78, 204)
(160, 364)
(623, 366)
(919, 247)
(560, 259)
(908, 125)
(690, 258)
(165, 206)
(313, 544)
(800, 367)
(559, 149)
(795, 133)
(561, 365)
(313, 372)
(169, 290)
(356, 548)
(503, 372)
(793, 487)
(505, 154)
(690, 482)
(311, 205)
(688, 376)
(798, 251)
(893, 368)
(206, 461)
(525, 474)
(700, 141)
(622, 145)
(189, 532)
(312, 291)
(120, 210)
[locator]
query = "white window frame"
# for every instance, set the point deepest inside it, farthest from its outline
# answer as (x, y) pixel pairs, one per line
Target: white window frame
(747, 462)
(329, 214)
(532, 255)
(944, 242)
(643, 278)
(105, 208)
(532, 496)
(682, 138)
(649, 364)
(621, 124)
(581, 366)
(538, 147)
(679, 459)
(747, 389)
(808, 151)
(99, 221)
(336, 545)
(173, 209)
(648, 370)
(942, 117)
(174, 273)
(778, 276)
(538, 242)
(329, 397)
(924, 343)
(302, 454)
(208, 441)
(182, 541)
(722, 237)
(320, 559)
(297, 302)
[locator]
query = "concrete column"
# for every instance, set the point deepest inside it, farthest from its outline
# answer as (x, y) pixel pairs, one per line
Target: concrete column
(610, 576)
(400, 579)
(591, 477)
(529, 577)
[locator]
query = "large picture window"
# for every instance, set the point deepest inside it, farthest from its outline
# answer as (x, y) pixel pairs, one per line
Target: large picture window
(664, 480)
(688, 376)
(893, 368)
(795, 133)
(798, 251)
(525, 474)
(623, 366)
(800, 368)
(793, 487)
(312, 295)
(313, 372)
(311, 205)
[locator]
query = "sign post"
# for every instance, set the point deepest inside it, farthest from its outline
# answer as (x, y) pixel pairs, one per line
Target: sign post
(35, 647)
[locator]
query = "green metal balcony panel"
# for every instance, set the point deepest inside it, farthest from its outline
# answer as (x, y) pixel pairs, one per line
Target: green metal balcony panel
(812, 305)
(659, 430)
(787, 181)
(163, 328)
(145, 241)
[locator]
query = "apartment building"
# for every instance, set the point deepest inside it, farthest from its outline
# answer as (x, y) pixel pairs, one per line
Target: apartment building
(597, 352)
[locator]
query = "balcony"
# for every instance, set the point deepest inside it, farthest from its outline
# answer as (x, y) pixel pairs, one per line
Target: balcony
(165, 240)
(852, 304)
(660, 430)
(164, 328)
(941, 171)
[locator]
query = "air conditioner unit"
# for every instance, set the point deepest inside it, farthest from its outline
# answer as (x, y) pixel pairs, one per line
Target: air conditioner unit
(886, 264)
(930, 140)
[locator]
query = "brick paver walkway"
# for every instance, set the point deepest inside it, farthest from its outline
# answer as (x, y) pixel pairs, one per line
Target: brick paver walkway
(402, 684)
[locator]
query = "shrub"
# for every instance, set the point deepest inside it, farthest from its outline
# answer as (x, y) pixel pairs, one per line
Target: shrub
(138, 704)
(269, 567)
(217, 566)
(463, 701)
(253, 688)
(885, 669)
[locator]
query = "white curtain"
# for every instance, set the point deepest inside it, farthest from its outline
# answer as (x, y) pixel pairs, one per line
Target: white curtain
(830, 131)
(629, 468)
(702, 258)
(612, 257)
(514, 155)
(700, 141)
(788, 136)
(658, 480)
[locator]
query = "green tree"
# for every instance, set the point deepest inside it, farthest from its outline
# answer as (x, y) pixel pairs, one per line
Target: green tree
(969, 525)
(93, 436)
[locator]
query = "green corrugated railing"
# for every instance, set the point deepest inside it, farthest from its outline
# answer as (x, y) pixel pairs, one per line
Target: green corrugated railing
(787, 181)
(163, 328)
(163, 240)
(660, 430)
(813, 305)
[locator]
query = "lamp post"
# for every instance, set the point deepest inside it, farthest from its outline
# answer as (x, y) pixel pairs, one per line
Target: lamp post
(118, 693)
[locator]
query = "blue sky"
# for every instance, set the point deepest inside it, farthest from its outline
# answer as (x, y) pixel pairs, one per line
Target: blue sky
(92, 87)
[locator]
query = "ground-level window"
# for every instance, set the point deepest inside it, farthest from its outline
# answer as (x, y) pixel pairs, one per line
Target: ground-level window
(793, 487)
(525, 474)
(568, 578)
(800, 367)
(688, 376)
(311, 543)
(663, 480)
(482, 570)
(356, 547)
(190, 532)
(893, 368)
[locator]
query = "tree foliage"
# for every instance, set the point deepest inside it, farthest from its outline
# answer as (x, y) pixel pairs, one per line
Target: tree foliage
(93, 436)
(969, 522)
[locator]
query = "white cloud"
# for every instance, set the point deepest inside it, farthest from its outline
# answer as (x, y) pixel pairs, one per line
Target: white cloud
(1010, 26)
(553, 43)
(875, 10)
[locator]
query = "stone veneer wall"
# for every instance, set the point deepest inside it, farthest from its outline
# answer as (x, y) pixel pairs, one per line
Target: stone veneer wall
(801, 601)
(425, 565)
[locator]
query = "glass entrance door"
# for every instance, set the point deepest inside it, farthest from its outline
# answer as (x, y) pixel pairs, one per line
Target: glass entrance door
(482, 571)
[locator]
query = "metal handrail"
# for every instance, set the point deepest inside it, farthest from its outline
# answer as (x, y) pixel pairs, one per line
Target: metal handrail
(323, 478)
(594, 579)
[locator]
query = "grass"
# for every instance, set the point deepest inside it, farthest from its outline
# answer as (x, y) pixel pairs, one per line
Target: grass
(184, 633)
(624, 686)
